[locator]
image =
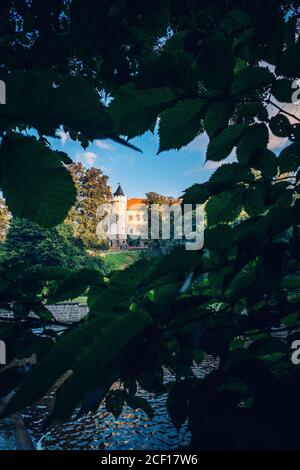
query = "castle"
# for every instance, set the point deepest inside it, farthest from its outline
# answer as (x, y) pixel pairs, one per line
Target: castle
(129, 215)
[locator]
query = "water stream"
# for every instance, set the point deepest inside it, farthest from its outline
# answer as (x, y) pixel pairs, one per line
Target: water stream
(132, 430)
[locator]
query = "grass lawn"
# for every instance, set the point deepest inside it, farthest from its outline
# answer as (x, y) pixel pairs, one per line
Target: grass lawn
(118, 261)
(81, 299)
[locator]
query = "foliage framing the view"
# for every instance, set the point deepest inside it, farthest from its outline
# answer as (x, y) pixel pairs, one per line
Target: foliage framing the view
(219, 66)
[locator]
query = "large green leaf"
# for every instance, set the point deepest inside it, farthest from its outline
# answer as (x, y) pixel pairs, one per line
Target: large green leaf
(227, 175)
(134, 111)
(265, 161)
(35, 183)
(179, 125)
(289, 65)
(224, 207)
(267, 345)
(221, 146)
(252, 109)
(254, 201)
(121, 286)
(168, 69)
(280, 125)
(257, 137)
(250, 79)
(291, 282)
(76, 284)
(289, 158)
(218, 237)
(196, 194)
(215, 63)
(217, 117)
(45, 100)
(177, 404)
(241, 282)
(283, 90)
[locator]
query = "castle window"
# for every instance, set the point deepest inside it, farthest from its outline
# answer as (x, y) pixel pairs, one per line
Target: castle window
(138, 217)
(131, 217)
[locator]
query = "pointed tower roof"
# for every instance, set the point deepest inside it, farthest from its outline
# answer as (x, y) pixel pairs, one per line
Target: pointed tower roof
(119, 191)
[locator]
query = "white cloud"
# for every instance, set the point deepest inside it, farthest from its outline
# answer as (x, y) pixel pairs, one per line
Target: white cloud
(102, 144)
(276, 143)
(88, 157)
(64, 136)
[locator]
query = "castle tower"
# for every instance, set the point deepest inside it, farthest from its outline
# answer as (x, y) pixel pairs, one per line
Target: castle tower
(119, 209)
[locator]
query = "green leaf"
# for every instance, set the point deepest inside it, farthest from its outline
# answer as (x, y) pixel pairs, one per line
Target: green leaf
(224, 207)
(257, 137)
(221, 146)
(42, 311)
(35, 183)
(76, 284)
(168, 68)
(114, 402)
(227, 175)
(196, 194)
(152, 381)
(240, 19)
(134, 111)
(266, 345)
(291, 282)
(276, 191)
(250, 79)
(217, 117)
(177, 405)
(216, 63)
(280, 125)
(198, 356)
(218, 237)
(179, 125)
(254, 202)
(265, 161)
(283, 90)
(47, 99)
(138, 402)
(289, 158)
(48, 274)
(241, 282)
(217, 279)
(248, 110)
(290, 29)
(122, 285)
(289, 64)
(291, 320)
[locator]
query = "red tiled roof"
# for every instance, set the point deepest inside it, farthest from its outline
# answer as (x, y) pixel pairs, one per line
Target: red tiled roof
(134, 201)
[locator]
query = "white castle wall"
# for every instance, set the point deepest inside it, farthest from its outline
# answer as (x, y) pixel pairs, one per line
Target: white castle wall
(66, 312)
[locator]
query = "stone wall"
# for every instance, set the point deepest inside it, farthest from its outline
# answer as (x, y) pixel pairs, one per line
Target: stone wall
(67, 312)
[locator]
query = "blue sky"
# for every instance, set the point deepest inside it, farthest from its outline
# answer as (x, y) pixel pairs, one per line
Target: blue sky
(168, 173)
